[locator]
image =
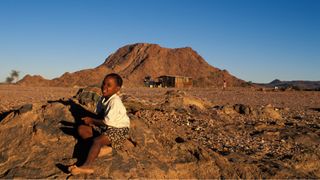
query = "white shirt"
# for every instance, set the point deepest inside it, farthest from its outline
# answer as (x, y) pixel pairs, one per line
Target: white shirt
(115, 114)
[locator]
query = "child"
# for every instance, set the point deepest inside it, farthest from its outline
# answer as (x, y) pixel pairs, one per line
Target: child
(113, 129)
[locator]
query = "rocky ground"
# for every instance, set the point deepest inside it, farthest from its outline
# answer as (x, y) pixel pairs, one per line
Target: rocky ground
(190, 133)
(12, 96)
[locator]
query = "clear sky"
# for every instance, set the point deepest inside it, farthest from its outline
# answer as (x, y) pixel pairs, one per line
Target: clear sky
(255, 40)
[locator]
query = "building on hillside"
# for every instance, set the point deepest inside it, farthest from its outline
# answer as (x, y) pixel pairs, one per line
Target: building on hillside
(168, 81)
(149, 82)
(175, 81)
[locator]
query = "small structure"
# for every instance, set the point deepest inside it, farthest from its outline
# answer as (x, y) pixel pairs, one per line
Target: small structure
(149, 82)
(175, 81)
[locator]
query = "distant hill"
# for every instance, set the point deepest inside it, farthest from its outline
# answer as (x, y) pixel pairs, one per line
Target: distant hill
(85, 77)
(136, 61)
(299, 85)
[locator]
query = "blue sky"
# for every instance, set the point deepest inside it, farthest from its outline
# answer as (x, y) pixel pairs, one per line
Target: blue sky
(255, 40)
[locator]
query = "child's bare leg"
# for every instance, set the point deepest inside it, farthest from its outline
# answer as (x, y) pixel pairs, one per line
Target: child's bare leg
(98, 142)
(93, 154)
(105, 150)
(85, 131)
(86, 134)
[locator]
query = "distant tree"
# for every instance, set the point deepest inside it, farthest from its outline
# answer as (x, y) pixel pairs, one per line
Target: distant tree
(9, 80)
(247, 84)
(14, 76)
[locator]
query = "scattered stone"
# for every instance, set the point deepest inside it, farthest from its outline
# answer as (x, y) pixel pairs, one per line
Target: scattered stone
(229, 110)
(25, 108)
(180, 99)
(242, 109)
(271, 112)
(180, 140)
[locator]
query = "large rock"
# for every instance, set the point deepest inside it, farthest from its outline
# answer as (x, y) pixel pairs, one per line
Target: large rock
(263, 112)
(89, 97)
(32, 141)
(271, 112)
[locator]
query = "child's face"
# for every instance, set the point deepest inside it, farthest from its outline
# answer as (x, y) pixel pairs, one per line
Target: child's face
(109, 87)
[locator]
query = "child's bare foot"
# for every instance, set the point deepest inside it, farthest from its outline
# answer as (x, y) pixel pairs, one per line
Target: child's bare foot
(74, 170)
(71, 167)
(105, 150)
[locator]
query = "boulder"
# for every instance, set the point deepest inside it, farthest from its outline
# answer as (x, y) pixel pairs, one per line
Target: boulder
(180, 99)
(271, 112)
(88, 97)
(242, 109)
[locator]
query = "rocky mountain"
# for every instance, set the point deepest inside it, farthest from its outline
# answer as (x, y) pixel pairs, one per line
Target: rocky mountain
(299, 85)
(135, 62)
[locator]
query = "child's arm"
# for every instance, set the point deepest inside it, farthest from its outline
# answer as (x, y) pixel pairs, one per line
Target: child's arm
(97, 122)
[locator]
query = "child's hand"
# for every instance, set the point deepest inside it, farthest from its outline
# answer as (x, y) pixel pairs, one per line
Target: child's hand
(87, 120)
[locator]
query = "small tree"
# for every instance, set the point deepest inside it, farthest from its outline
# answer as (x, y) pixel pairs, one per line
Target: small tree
(9, 80)
(14, 76)
(246, 84)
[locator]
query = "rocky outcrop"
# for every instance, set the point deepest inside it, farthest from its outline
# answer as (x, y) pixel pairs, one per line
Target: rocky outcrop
(171, 139)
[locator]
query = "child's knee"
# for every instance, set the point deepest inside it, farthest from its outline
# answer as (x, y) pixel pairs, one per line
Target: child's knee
(101, 140)
(83, 128)
(80, 129)
(84, 131)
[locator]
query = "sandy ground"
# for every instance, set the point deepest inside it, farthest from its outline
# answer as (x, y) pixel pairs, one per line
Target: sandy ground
(13, 95)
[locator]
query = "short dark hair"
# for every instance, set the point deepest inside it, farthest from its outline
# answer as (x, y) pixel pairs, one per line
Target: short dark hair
(117, 77)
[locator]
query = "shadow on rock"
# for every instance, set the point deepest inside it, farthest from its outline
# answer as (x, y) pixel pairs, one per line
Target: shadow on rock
(62, 167)
(82, 147)
(76, 110)
(18, 111)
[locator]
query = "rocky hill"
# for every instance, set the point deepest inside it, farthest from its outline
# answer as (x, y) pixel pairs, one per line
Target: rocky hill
(298, 85)
(135, 62)
(36, 80)
(79, 78)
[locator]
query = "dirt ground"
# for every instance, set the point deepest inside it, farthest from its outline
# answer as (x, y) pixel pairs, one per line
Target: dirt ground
(248, 96)
(13, 95)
